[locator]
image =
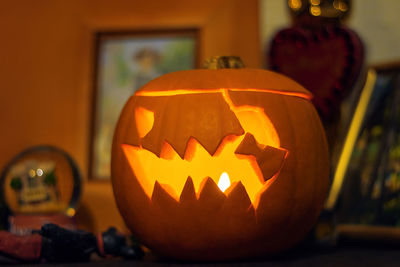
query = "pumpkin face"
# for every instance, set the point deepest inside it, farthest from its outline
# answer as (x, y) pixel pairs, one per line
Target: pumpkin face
(219, 164)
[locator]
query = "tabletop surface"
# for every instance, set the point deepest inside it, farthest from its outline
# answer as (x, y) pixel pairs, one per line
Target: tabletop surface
(339, 256)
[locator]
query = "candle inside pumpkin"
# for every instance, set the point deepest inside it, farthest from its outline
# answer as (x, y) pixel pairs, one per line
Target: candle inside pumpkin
(224, 182)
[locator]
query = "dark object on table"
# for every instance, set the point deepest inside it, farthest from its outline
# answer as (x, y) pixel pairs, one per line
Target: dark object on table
(115, 244)
(56, 244)
(61, 245)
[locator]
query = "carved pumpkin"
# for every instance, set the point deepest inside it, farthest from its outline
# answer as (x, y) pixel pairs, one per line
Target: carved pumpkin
(219, 164)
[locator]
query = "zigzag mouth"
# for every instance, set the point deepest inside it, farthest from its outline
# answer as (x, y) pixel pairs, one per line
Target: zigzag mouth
(209, 194)
(213, 138)
(251, 168)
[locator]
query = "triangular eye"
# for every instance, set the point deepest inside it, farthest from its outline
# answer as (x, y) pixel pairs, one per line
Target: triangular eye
(251, 118)
(144, 121)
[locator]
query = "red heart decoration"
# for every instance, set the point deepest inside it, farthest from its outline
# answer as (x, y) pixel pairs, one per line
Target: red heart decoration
(327, 62)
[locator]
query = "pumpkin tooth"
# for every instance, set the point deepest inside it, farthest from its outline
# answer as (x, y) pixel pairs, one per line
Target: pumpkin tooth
(208, 122)
(237, 196)
(269, 159)
(161, 196)
(238, 206)
(188, 193)
(210, 195)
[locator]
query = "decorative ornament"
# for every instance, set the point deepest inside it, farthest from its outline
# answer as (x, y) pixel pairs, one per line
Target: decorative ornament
(320, 53)
(42, 184)
(326, 61)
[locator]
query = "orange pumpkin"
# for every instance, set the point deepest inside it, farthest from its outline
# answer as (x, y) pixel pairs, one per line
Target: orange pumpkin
(219, 164)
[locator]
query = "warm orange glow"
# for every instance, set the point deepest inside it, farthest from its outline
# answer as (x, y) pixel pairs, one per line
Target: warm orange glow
(224, 182)
(200, 91)
(315, 11)
(172, 172)
(295, 4)
(253, 120)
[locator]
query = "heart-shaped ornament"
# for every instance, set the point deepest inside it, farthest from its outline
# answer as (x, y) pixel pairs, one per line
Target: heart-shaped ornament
(327, 62)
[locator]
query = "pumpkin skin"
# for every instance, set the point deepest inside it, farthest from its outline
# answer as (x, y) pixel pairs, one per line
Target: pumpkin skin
(199, 108)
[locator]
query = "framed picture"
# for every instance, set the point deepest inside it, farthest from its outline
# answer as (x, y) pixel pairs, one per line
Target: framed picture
(366, 185)
(125, 61)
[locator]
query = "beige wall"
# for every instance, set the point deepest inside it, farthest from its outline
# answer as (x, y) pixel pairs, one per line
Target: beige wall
(46, 56)
(377, 22)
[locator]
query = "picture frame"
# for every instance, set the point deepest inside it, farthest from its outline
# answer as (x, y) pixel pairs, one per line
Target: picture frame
(366, 185)
(125, 61)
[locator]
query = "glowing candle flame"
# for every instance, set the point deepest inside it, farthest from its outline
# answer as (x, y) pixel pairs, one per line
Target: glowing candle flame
(224, 182)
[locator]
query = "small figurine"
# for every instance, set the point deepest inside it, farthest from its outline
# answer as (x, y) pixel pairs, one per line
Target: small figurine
(53, 243)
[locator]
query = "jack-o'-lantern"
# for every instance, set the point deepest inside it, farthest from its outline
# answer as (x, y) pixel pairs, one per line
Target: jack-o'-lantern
(219, 164)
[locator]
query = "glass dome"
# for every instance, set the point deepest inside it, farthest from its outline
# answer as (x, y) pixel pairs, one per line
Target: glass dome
(41, 180)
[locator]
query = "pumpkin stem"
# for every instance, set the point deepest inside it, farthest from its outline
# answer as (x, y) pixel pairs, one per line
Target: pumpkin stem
(223, 62)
